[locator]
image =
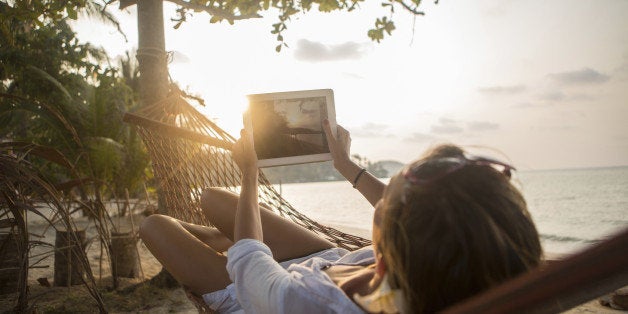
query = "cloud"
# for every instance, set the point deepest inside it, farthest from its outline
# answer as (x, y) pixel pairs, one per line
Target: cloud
(527, 104)
(371, 129)
(553, 128)
(446, 129)
(502, 90)
(482, 126)
(419, 138)
(446, 126)
(554, 95)
(558, 96)
(312, 51)
(179, 57)
(580, 77)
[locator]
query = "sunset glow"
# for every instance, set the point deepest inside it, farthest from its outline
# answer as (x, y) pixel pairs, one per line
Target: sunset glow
(544, 82)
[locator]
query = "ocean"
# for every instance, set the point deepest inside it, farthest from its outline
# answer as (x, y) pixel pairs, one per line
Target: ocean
(572, 208)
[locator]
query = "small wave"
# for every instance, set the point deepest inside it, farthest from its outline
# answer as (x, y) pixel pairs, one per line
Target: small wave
(615, 222)
(557, 238)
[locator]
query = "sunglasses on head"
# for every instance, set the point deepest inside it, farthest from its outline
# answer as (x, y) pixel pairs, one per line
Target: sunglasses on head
(434, 169)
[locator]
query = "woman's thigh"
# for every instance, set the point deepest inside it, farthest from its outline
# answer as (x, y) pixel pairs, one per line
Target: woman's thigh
(193, 263)
(208, 235)
(286, 239)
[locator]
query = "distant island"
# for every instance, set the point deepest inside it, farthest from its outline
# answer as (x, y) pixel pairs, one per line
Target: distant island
(324, 171)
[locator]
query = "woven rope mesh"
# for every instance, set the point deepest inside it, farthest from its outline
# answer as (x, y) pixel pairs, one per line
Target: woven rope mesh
(190, 153)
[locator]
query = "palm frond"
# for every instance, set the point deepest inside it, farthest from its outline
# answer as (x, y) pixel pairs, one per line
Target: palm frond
(43, 110)
(45, 152)
(43, 74)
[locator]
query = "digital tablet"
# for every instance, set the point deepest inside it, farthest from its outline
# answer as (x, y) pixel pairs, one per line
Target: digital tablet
(287, 127)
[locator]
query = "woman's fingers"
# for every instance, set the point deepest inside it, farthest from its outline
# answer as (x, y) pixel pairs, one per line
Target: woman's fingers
(338, 145)
(344, 138)
(328, 133)
(331, 140)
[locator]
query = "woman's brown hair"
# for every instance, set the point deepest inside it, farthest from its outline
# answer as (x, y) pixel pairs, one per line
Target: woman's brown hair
(449, 239)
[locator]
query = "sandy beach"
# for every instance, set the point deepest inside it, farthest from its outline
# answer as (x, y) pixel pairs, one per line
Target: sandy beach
(145, 299)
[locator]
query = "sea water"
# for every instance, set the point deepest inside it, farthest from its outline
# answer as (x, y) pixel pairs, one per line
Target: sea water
(572, 208)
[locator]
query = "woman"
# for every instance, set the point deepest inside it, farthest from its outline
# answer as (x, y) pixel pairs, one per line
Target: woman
(446, 227)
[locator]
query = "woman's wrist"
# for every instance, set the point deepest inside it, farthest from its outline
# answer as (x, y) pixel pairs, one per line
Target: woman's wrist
(357, 177)
(348, 169)
(250, 175)
(342, 163)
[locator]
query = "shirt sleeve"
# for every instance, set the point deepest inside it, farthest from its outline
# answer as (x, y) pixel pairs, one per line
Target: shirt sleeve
(260, 282)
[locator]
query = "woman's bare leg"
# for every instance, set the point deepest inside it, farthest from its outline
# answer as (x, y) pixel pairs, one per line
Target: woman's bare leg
(286, 239)
(191, 262)
(208, 235)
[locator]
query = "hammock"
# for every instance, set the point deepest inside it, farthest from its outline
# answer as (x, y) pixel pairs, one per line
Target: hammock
(190, 153)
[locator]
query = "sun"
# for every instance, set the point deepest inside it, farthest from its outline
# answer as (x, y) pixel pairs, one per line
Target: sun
(226, 110)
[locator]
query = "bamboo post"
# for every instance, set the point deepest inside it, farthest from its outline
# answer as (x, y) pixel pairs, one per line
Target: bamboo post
(68, 269)
(137, 251)
(125, 261)
(9, 263)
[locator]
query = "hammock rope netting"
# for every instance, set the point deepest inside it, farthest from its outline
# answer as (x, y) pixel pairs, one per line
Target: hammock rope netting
(190, 153)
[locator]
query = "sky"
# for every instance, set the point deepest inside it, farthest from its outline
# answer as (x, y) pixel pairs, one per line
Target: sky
(543, 84)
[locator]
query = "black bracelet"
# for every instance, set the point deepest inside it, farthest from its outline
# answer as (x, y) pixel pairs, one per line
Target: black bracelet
(357, 177)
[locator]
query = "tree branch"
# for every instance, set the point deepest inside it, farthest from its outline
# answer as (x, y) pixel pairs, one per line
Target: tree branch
(213, 11)
(412, 10)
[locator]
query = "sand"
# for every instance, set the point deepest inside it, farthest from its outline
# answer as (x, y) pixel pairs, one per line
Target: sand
(76, 299)
(143, 300)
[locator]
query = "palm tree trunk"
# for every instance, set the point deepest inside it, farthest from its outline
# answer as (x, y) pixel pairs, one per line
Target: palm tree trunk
(152, 59)
(151, 52)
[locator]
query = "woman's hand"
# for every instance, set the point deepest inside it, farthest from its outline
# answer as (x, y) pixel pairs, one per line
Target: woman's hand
(339, 146)
(244, 154)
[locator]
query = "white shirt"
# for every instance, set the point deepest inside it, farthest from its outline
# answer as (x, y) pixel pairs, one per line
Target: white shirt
(263, 286)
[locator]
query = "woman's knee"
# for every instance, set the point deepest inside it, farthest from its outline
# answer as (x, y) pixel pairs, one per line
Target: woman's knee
(215, 201)
(151, 225)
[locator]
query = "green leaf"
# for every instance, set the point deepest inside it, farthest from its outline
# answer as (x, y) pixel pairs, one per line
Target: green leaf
(278, 48)
(328, 5)
(389, 27)
(71, 13)
(376, 34)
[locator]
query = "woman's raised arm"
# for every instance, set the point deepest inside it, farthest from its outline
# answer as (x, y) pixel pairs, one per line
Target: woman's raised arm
(248, 224)
(371, 187)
